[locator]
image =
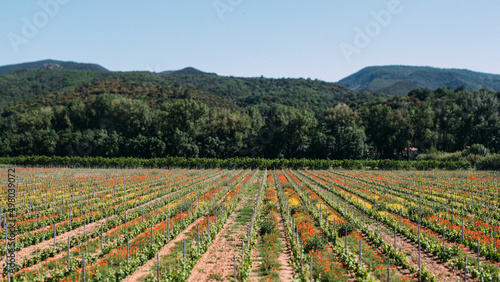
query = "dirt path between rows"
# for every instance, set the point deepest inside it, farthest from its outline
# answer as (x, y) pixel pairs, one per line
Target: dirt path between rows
(145, 268)
(256, 262)
(400, 270)
(285, 271)
(62, 254)
(349, 273)
(482, 258)
(27, 253)
(219, 259)
(441, 271)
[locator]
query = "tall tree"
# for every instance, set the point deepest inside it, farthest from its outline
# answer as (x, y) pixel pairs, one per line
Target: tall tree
(186, 121)
(377, 124)
(341, 136)
(289, 132)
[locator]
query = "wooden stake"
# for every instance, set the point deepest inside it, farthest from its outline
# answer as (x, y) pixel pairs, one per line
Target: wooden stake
(43, 227)
(395, 245)
(494, 239)
(478, 253)
(54, 237)
(83, 266)
(158, 266)
(311, 270)
(235, 279)
(465, 269)
(152, 239)
(69, 252)
(101, 239)
(360, 253)
(389, 270)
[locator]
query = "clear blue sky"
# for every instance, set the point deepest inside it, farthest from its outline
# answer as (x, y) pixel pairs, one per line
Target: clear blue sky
(278, 38)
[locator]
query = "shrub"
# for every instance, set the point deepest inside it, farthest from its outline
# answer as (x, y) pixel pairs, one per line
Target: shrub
(441, 156)
(341, 229)
(490, 162)
(314, 243)
(269, 263)
(216, 276)
(294, 210)
(476, 149)
(266, 227)
(435, 161)
(414, 211)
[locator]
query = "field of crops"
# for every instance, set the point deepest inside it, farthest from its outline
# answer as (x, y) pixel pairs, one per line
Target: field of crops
(74, 224)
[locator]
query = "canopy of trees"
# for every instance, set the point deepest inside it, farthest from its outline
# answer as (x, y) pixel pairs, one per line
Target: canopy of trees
(112, 125)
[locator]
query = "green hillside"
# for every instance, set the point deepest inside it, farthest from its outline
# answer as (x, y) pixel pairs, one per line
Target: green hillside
(53, 111)
(400, 80)
(48, 86)
(314, 95)
(52, 64)
(154, 94)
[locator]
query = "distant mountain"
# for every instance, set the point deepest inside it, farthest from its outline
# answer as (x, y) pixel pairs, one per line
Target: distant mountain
(399, 80)
(52, 64)
(187, 71)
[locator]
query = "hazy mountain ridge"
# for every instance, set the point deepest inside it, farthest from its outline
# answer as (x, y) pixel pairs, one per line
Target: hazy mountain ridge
(399, 80)
(52, 64)
(188, 71)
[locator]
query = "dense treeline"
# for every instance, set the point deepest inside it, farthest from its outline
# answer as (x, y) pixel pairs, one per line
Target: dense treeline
(444, 119)
(110, 125)
(229, 163)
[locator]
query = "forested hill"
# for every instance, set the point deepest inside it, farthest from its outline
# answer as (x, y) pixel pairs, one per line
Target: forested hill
(314, 95)
(52, 64)
(154, 94)
(189, 113)
(50, 86)
(400, 80)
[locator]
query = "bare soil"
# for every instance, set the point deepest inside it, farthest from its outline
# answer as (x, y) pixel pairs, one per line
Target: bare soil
(28, 252)
(219, 259)
(145, 268)
(442, 271)
(285, 271)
